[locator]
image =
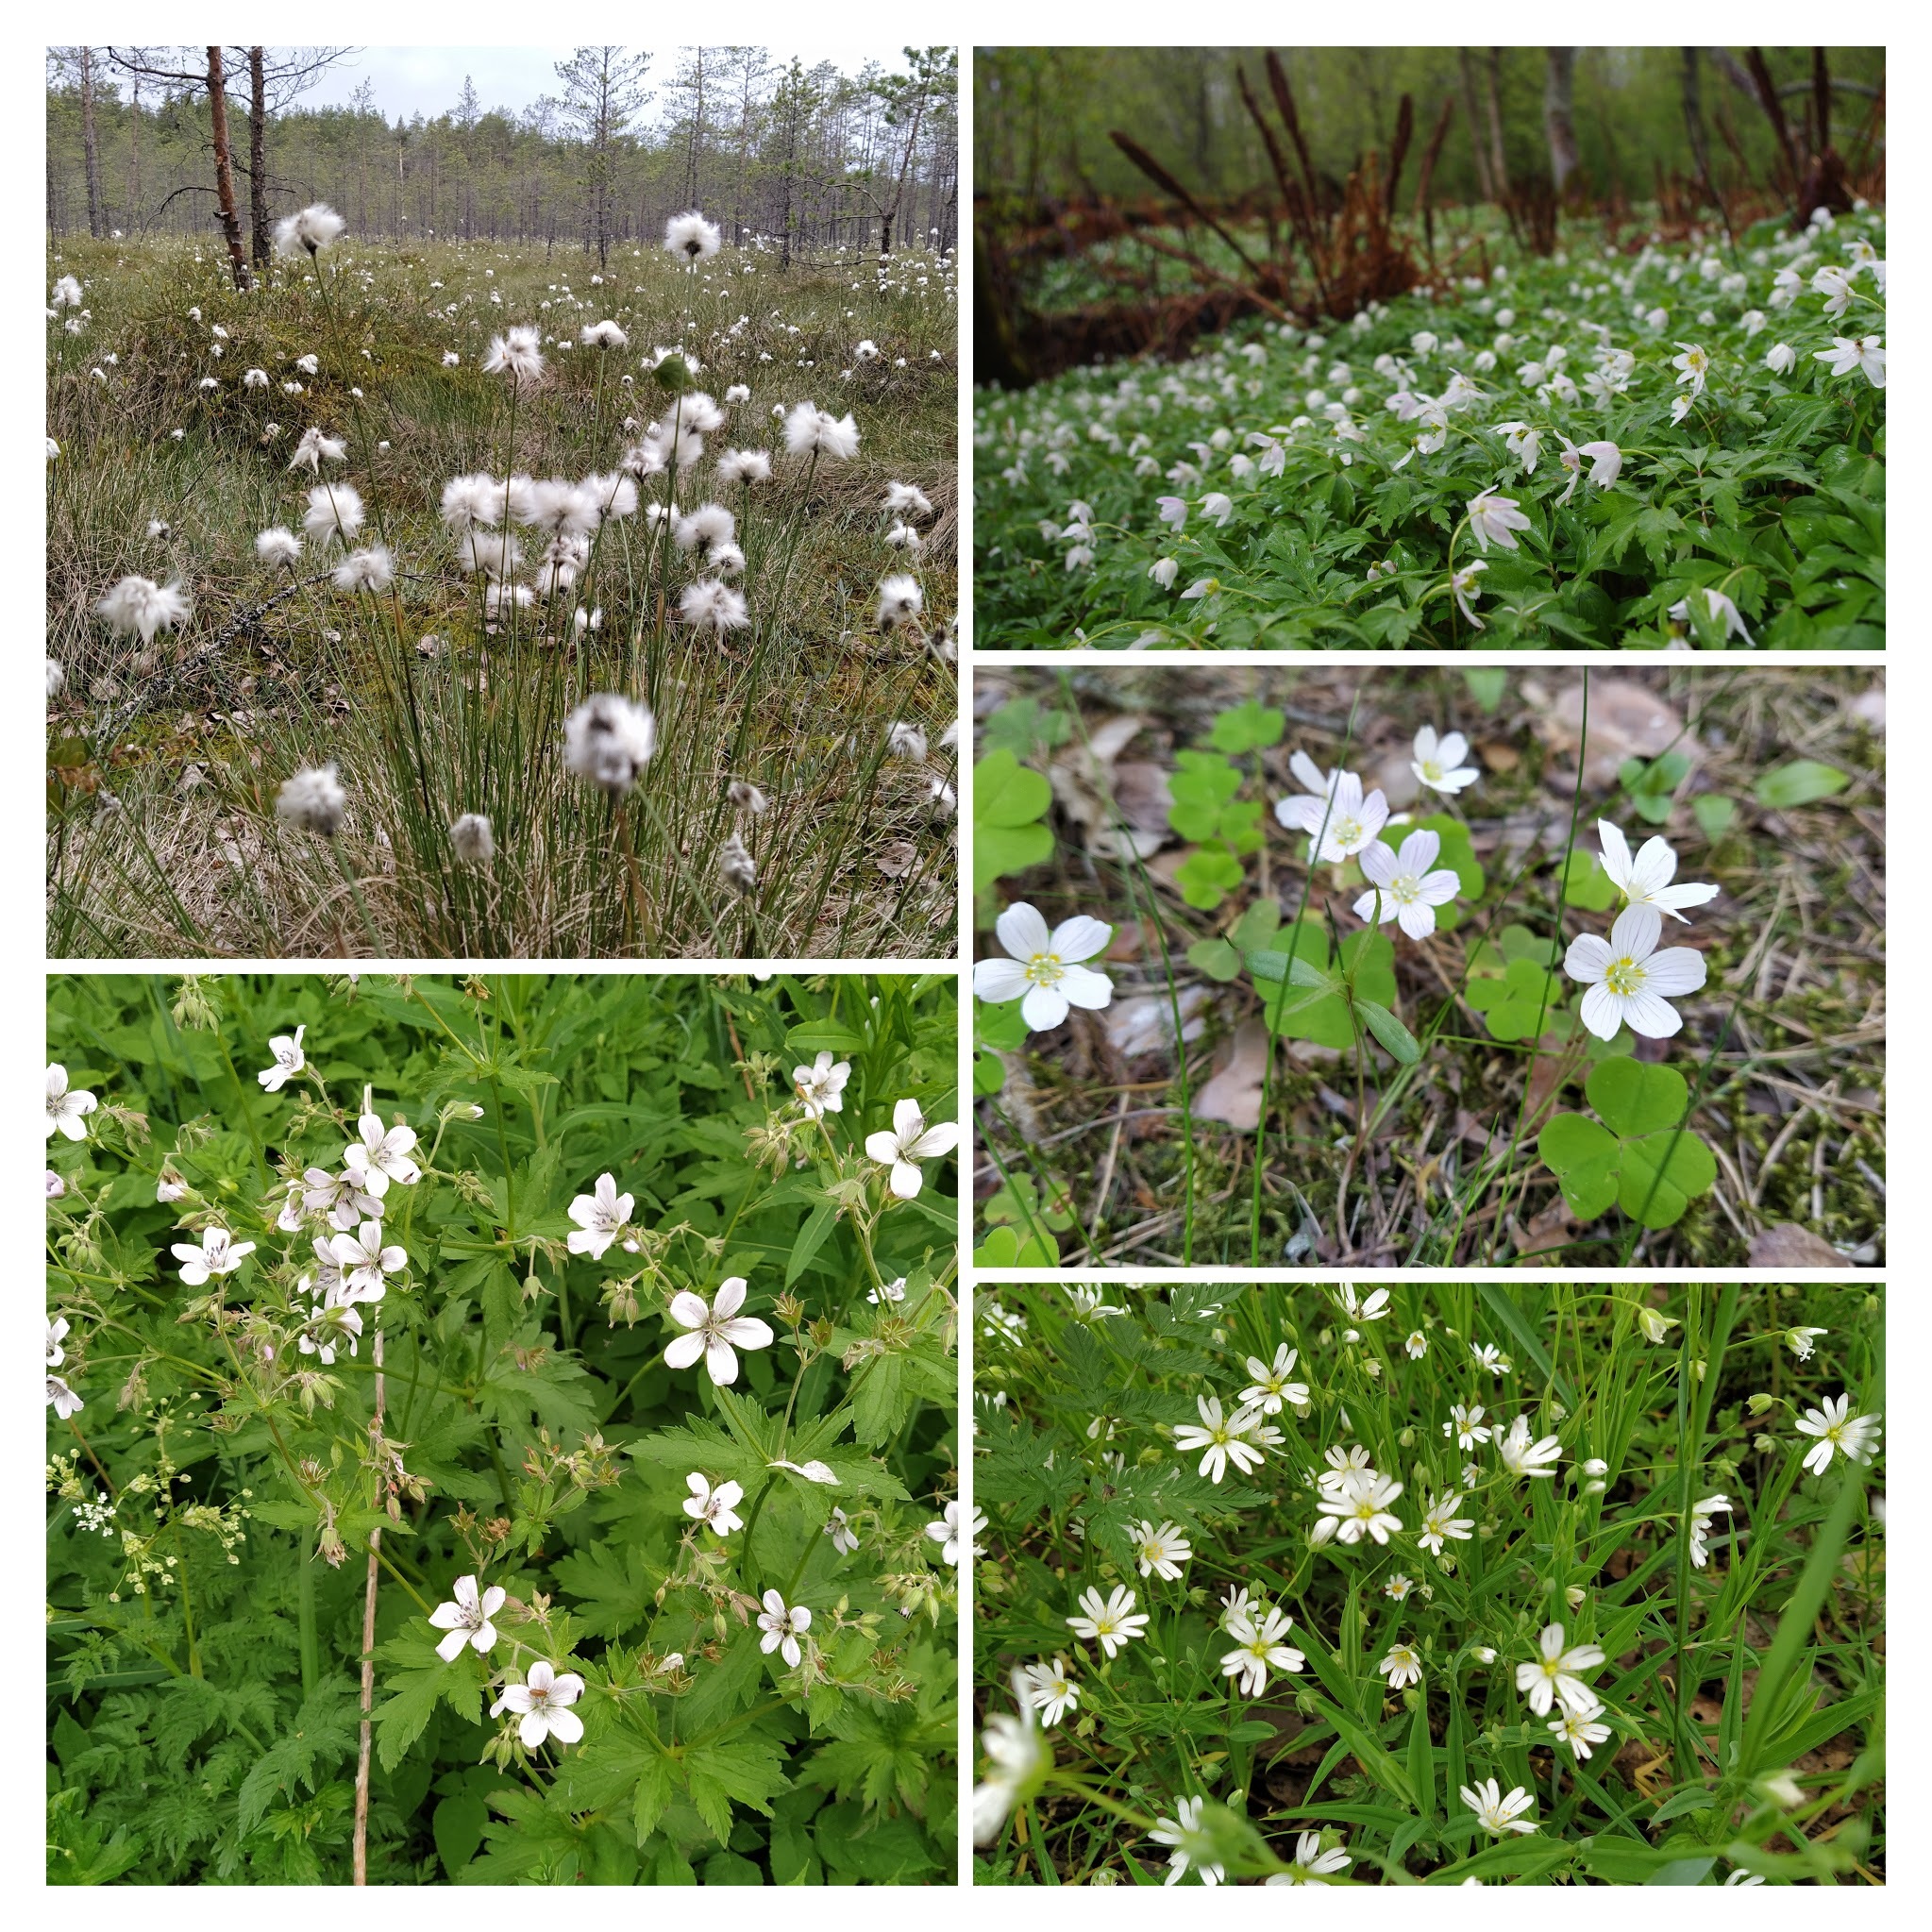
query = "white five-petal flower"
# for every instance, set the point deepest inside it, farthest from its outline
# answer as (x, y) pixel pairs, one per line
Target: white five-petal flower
(1402, 886)
(782, 1627)
(1111, 1622)
(1438, 761)
(1645, 879)
(601, 1217)
(716, 1506)
(467, 1619)
(1552, 1672)
(1631, 984)
(716, 1330)
(219, 1253)
(1856, 1437)
(287, 1048)
(542, 1701)
(909, 1142)
(67, 1110)
(1044, 970)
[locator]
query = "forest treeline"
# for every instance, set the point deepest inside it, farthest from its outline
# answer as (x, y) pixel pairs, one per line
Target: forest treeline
(187, 139)
(1600, 124)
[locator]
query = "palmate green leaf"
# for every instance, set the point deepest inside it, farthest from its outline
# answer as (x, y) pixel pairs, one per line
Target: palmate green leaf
(323, 1734)
(614, 1590)
(745, 1769)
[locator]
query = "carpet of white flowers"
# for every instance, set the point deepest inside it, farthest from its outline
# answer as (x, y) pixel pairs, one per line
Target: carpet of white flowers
(501, 1431)
(1462, 1582)
(1633, 446)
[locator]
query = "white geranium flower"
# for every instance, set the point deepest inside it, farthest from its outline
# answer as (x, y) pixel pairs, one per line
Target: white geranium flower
(601, 1217)
(219, 1253)
(364, 1260)
(909, 1142)
(467, 1619)
(845, 1539)
(717, 1330)
(542, 1700)
(715, 1507)
(381, 1155)
(952, 1529)
(61, 1398)
(287, 1048)
(821, 1086)
(1044, 969)
(1631, 984)
(67, 1111)
(782, 1627)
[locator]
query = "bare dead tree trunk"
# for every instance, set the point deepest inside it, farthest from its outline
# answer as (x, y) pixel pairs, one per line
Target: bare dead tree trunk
(225, 168)
(258, 163)
(91, 142)
(1492, 86)
(1471, 112)
(1559, 122)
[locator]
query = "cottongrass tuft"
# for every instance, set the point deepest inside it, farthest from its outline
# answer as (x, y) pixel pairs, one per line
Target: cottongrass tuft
(746, 798)
(312, 800)
(313, 447)
(57, 677)
(602, 335)
(744, 466)
(708, 524)
(138, 605)
(900, 600)
(713, 606)
(473, 838)
(813, 431)
(495, 553)
(277, 546)
(735, 867)
(906, 499)
(314, 228)
(609, 740)
(906, 741)
(516, 353)
(691, 237)
(335, 509)
(372, 569)
(470, 500)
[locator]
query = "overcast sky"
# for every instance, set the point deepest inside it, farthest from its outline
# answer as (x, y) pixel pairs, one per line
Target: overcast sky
(410, 80)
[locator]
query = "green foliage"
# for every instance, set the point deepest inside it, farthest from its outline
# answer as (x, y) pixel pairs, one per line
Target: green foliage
(1776, 1601)
(1642, 1158)
(1803, 781)
(1009, 802)
(208, 1546)
(1750, 514)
